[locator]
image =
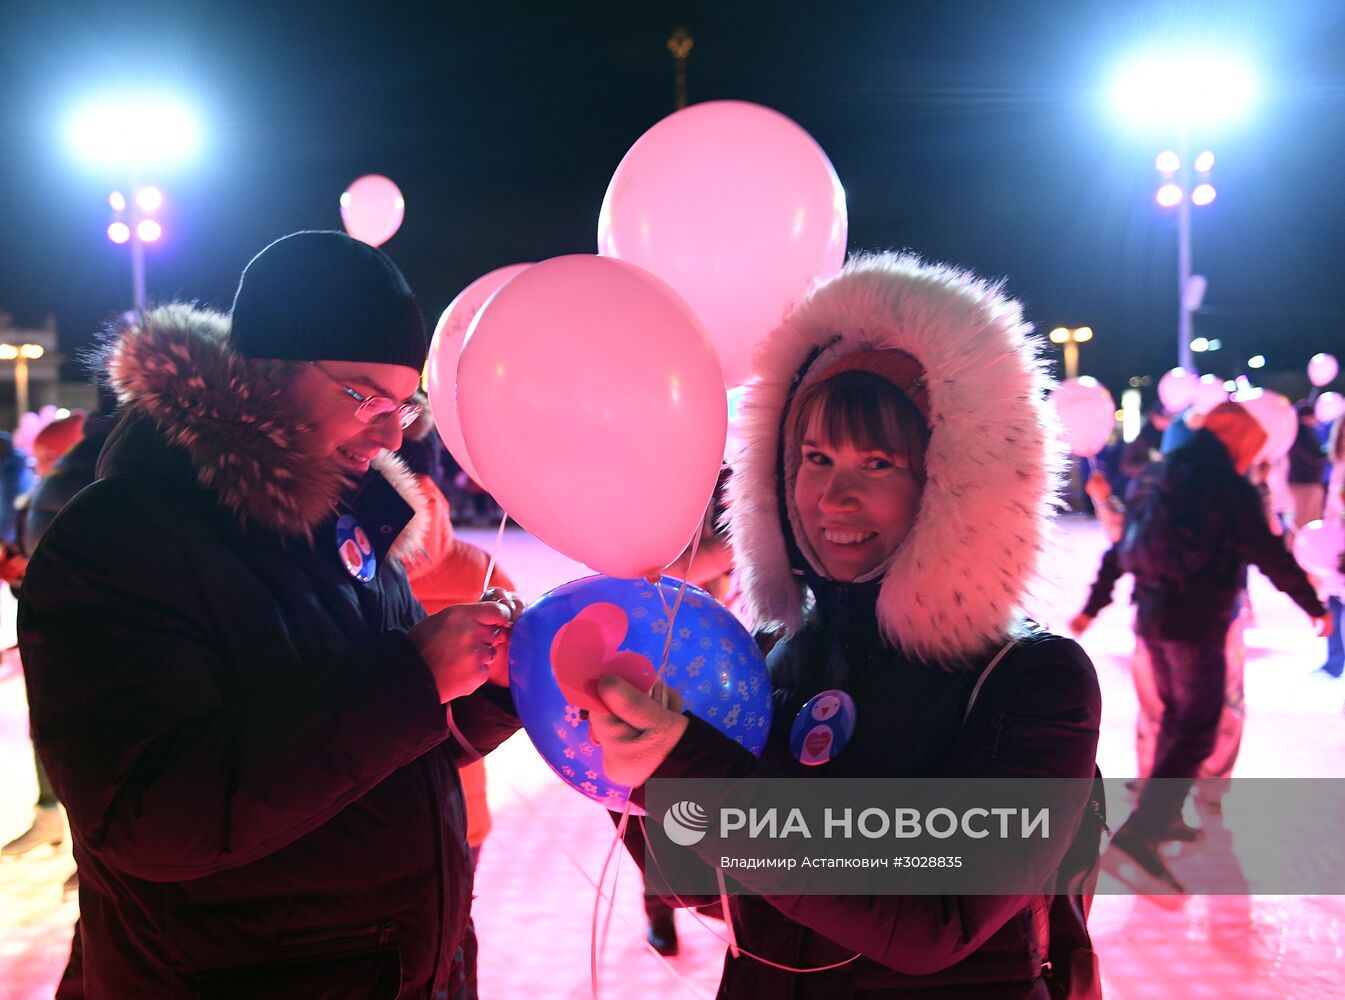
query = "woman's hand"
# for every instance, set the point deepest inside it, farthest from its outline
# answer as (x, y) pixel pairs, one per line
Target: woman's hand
(636, 732)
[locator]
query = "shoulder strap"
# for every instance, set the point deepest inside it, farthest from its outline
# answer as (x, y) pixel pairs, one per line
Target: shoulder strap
(980, 681)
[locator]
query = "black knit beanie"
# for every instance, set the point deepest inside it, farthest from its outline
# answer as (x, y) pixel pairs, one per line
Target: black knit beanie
(322, 296)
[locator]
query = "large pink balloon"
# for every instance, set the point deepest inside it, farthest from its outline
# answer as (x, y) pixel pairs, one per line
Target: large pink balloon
(1087, 414)
(1176, 389)
(1322, 369)
(593, 404)
(372, 209)
(737, 208)
(441, 370)
(1277, 418)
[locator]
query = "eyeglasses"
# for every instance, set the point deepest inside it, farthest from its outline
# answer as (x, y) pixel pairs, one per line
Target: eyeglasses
(376, 409)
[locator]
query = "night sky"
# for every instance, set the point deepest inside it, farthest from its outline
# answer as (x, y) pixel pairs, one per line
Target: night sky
(973, 133)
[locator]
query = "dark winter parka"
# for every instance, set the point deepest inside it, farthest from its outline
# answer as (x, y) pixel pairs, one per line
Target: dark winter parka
(909, 641)
(257, 768)
(1204, 524)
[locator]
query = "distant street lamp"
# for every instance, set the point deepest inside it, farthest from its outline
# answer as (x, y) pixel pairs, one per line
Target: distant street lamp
(1181, 94)
(1069, 340)
(129, 134)
(21, 354)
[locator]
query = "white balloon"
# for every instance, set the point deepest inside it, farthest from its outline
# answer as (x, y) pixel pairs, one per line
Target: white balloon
(1318, 546)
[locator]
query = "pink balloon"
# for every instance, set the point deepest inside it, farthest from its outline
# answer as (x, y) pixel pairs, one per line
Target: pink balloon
(1177, 389)
(1322, 369)
(441, 370)
(1318, 546)
(737, 208)
(592, 402)
(1329, 406)
(1277, 418)
(1209, 393)
(1087, 414)
(372, 209)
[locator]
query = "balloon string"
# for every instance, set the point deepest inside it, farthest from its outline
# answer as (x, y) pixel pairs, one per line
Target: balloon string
(677, 604)
(540, 823)
(594, 948)
(733, 943)
(499, 537)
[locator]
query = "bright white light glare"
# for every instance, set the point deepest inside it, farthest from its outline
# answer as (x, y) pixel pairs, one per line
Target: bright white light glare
(1190, 88)
(1230, 386)
(1215, 345)
(119, 232)
(1200, 345)
(1168, 163)
(1204, 162)
(1169, 195)
(134, 130)
(117, 201)
(150, 199)
(1059, 335)
(1203, 194)
(1256, 361)
(1087, 380)
(1083, 335)
(148, 230)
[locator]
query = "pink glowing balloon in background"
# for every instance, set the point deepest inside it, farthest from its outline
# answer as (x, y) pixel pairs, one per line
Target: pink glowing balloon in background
(1329, 407)
(1318, 546)
(737, 208)
(1277, 418)
(1177, 389)
(1087, 414)
(372, 209)
(1209, 392)
(593, 404)
(1322, 369)
(441, 369)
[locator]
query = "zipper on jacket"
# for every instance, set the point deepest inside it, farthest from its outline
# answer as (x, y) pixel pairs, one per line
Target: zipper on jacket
(997, 724)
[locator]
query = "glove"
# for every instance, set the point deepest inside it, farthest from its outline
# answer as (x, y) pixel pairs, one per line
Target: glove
(636, 732)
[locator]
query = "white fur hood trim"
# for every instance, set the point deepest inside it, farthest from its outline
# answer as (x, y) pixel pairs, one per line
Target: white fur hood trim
(955, 587)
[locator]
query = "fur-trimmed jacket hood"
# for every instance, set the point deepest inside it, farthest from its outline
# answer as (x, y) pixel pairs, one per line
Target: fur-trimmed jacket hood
(234, 419)
(955, 587)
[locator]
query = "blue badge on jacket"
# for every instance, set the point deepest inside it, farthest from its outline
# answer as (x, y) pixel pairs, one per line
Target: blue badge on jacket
(823, 727)
(355, 549)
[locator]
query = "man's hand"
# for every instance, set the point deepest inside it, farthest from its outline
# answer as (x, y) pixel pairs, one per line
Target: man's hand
(1080, 622)
(1324, 625)
(499, 666)
(635, 731)
(460, 644)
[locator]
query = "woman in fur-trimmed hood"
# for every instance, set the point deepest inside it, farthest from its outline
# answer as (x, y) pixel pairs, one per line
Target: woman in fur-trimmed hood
(238, 700)
(887, 516)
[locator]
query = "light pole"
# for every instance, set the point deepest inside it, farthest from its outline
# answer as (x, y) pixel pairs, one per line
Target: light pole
(127, 134)
(21, 354)
(1179, 94)
(1185, 184)
(679, 44)
(1069, 340)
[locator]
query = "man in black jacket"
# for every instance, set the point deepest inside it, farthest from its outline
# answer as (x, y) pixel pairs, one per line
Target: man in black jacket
(237, 697)
(1193, 525)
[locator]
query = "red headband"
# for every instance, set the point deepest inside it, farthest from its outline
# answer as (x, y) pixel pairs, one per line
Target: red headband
(898, 367)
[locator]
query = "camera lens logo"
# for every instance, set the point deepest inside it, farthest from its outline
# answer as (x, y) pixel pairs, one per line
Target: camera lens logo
(685, 823)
